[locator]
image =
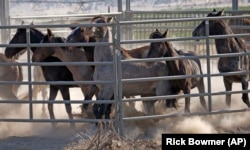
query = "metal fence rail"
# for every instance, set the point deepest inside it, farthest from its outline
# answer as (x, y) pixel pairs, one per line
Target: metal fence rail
(117, 62)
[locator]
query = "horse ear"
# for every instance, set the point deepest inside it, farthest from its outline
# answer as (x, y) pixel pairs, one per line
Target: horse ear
(109, 18)
(73, 23)
(20, 29)
(221, 13)
(82, 29)
(165, 33)
(49, 32)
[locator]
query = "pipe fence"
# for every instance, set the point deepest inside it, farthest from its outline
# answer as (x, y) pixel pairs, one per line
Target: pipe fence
(118, 81)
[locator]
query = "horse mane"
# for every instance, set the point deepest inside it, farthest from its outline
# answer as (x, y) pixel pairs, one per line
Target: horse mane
(107, 19)
(97, 17)
(240, 42)
(31, 30)
(37, 31)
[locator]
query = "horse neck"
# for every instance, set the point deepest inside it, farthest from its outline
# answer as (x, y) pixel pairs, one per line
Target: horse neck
(69, 55)
(89, 50)
(104, 52)
(170, 50)
(35, 37)
(174, 65)
(227, 45)
(76, 55)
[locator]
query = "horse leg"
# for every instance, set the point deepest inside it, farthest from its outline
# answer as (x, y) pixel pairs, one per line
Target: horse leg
(245, 97)
(52, 97)
(228, 86)
(38, 76)
(89, 91)
(44, 96)
(66, 97)
(201, 89)
(172, 103)
(187, 100)
(106, 95)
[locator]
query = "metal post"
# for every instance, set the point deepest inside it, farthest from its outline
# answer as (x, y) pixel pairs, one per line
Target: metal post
(119, 5)
(208, 66)
(116, 124)
(118, 77)
(128, 16)
(128, 5)
(29, 72)
(235, 5)
(4, 15)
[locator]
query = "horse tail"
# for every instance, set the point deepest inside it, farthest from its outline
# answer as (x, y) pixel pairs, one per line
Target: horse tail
(38, 76)
(19, 77)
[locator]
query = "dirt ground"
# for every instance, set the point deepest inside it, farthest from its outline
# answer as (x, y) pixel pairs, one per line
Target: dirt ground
(139, 134)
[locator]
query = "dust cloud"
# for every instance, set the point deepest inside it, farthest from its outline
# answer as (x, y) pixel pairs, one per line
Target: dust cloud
(138, 129)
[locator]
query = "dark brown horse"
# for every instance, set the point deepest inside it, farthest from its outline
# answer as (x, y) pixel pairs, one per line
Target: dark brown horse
(228, 45)
(179, 67)
(79, 72)
(236, 24)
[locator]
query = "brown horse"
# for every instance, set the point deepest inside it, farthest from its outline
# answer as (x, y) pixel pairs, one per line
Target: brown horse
(236, 24)
(228, 45)
(79, 72)
(80, 34)
(179, 67)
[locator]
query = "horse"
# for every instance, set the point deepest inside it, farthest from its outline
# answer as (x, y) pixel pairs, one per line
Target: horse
(79, 72)
(240, 22)
(227, 45)
(80, 34)
(179, 67)
(10, 73)
(50, 73)
(130, 70)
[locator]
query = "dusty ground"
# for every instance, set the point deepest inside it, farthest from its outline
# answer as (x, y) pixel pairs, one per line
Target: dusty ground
(138, 134)
(30, 136)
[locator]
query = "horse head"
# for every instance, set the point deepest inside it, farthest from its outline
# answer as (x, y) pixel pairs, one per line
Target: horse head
(214, 25)
(157, 49)
(41, 53)
(81, 35)
(99, 32)
(20, 37)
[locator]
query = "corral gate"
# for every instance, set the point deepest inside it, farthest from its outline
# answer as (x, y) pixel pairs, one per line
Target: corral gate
(121, 27)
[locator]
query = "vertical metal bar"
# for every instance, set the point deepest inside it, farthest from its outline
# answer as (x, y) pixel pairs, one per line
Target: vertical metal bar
(235, 5)
(208, 66)
(4, 15)
(119, 77)
(119, 5)
(128, 8)
(115, 76)
(29, 72)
